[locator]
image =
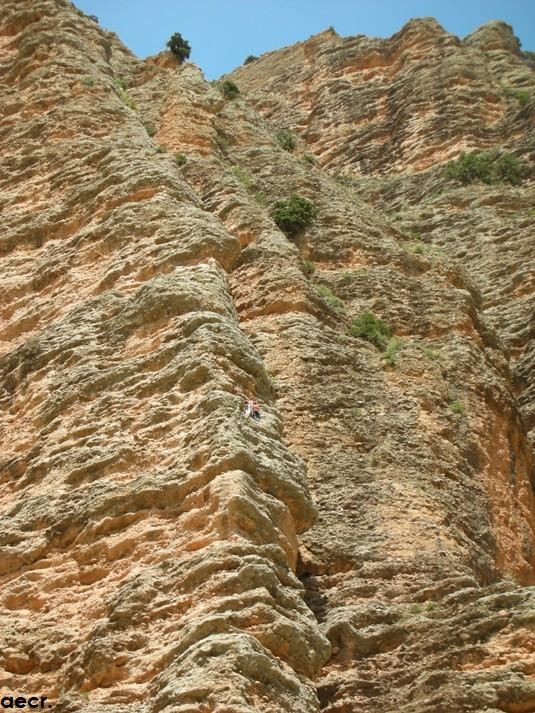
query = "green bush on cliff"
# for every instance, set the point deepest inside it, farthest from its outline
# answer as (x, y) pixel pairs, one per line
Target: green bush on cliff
(230, 89)
(293, 215)
(431, 353)
(308, 267)
(457, 407)
(286, 140)
(521, 95)
(507, 169)
(250, 58)
(485, 166)
(243, 177)
(332, 300)
(222, 142)
(179, 47)
(343, 180)
(369, 327)
(121, 89)
(392, 348)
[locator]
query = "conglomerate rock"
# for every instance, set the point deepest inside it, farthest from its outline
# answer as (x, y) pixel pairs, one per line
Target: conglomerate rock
(369, 543)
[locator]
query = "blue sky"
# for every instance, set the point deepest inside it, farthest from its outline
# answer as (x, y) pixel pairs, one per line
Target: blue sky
(223, 32)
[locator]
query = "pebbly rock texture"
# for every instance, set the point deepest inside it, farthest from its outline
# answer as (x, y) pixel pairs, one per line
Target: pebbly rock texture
(365, 105)
(369, 543)
(412, 498)
(148, 532)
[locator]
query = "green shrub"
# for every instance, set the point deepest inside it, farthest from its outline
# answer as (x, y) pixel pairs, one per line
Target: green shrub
(507, 169)
(369, 327)
(250, 58)
(308, 158)
(392, 349)
(457, 407)
(332, 300)
(180, 159)
(222, 142)
(179, 47)
(343, 180)
(260, 197)
(230, 89)
(470, 167)
(431, 353)
(121, 89)
(484, 166)
(150, 129)
(286, 140)
(243, 177)
(293, 215)
(309, 267)
(88, 81)
(521, 95)
(161, 149)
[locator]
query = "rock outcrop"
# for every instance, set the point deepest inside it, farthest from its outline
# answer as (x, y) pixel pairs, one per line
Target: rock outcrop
(373, 106)
(369, 543)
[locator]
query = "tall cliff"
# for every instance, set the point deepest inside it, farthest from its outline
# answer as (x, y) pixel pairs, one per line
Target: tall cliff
(368, 545)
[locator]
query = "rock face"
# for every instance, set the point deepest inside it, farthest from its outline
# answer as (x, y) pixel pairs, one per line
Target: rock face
(369, 543)
(384, 106)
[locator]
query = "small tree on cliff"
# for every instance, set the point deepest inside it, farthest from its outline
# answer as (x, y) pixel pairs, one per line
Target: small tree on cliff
(293, 215)
(179, 47)
(368, 326)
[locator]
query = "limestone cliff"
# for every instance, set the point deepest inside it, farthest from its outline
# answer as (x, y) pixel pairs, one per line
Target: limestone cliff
(369, 543)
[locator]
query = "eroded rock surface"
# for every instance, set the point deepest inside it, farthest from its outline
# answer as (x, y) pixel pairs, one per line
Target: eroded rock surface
(369, 544)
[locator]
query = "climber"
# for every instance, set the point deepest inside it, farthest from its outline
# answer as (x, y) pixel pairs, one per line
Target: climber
(256, 410)
(248, 409)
